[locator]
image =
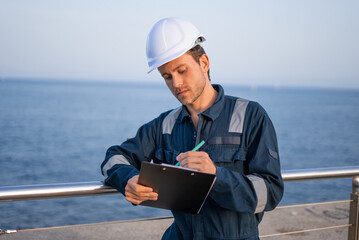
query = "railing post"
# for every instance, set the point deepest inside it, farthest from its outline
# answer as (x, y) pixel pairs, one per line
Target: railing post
(353, 233)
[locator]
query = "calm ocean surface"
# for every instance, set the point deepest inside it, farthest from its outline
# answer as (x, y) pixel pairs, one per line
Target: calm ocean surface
(58, 132)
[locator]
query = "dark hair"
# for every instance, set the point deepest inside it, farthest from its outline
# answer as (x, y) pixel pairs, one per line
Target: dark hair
(196, 52)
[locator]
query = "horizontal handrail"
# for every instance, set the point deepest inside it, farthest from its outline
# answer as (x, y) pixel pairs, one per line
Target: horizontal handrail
(320, 173)
(58, 190)
(61, 190)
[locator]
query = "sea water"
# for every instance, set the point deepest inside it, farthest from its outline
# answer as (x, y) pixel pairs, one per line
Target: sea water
(58, 132)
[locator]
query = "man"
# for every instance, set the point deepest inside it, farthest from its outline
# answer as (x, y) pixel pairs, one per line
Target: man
(241, 145)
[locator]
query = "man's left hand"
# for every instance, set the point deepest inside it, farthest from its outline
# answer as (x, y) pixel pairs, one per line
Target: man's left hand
(197, 160)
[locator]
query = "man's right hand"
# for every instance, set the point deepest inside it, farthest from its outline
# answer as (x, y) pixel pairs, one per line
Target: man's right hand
(136, 193)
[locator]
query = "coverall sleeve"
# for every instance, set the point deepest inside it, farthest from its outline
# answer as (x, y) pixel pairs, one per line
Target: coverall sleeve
(258, 186)
(124, 161)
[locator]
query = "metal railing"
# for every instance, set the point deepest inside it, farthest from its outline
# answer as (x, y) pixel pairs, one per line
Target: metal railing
(46, 191)
(59, 190)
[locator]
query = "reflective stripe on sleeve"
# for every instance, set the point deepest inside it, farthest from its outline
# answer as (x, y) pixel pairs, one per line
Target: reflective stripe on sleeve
(117, 159)
(237, 119)
(261, 191)
(170, 120)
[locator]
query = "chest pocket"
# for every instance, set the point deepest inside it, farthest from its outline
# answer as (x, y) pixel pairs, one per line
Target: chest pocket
(226, 152)
(165, 156)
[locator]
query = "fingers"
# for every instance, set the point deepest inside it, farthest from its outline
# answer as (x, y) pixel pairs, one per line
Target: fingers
(192, 154)
(138, 198)
(197, 160)
(136, 193)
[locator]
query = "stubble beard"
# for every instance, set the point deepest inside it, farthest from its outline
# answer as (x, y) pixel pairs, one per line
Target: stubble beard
(196, 94)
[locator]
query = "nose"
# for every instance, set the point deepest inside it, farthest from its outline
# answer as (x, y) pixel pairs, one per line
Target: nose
(177, 81)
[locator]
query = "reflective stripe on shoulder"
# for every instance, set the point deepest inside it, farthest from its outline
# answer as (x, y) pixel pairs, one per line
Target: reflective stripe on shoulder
(170, 120)
(117, 159)
(237, 119)
(261, 191)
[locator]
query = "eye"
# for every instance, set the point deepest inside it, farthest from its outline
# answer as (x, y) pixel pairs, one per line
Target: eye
(167, 77)
(182, 70)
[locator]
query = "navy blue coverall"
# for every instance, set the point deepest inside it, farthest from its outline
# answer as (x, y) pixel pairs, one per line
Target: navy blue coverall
(240, 140)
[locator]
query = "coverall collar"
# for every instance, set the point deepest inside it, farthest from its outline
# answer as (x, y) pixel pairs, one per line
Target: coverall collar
(213, 111)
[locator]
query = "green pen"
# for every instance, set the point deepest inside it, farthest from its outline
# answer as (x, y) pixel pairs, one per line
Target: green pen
(195, 149)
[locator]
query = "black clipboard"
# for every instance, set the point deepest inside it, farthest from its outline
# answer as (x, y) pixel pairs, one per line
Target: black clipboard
(178, 188)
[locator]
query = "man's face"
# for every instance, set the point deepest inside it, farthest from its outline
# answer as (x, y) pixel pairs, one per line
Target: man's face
(185, 77)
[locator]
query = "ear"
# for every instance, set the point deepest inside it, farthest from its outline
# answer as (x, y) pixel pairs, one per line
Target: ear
(204, 63)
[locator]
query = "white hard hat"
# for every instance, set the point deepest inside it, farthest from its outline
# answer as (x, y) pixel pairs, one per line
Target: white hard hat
(170, 38)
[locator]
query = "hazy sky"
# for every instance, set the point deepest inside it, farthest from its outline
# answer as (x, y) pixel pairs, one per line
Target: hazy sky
(275, 43)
